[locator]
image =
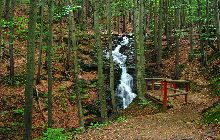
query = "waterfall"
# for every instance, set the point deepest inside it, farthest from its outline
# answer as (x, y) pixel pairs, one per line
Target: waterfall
(124, 89)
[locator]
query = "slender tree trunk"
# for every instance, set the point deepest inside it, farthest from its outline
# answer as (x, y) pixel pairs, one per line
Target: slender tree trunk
(155, 26)
(49, 62)
(160, 24)
(177, 38)
(76, 79)
(11, 41)
(7, 9)
(167, 23)
(112, 78)
(1, 36)
(145, 17)
(207, 24)
(118, 24)
(41, 42)
(124, 21)
(68, 50)
(171, 24)
(191, 32)
(101, 93)
(199, 10)
(217, 22)
(30, 71)
(182, 13)
(88, 8)
(81, 14)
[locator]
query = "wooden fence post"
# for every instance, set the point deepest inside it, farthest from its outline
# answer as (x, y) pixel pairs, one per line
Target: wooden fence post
(187, 90)
(165, 96)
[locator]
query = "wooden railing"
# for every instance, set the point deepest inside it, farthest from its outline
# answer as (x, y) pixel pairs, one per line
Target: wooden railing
(163, 84)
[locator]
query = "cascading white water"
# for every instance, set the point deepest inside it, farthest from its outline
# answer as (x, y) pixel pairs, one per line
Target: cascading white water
(124, 89)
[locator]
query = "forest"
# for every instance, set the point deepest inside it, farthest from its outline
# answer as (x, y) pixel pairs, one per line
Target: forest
(110, 69)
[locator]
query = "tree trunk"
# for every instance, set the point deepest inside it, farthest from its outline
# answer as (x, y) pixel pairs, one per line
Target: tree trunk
(160, 24)
(155, 26)
(112, 78)
(68, 49)
(1, 46)
(88, 8)
(11, 41)
(142, 47)
(7, 9)
(182, 13)
(191, 32)
(217, 22)
(138, 28)
(30, 71)
(76, 74)
(177, 38)
(41, 42)
(124, 21)
(49, 61)
(101, 93)
(167, 22)
(199, 10)
(81, 14)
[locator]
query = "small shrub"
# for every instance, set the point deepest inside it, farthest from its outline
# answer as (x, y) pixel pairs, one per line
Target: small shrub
(18, 112)
(121, 119)
(62, 88)
(54, 134)
(17, 124)
(95, 125)
(145, 103)
(99, 124)
(72, 98)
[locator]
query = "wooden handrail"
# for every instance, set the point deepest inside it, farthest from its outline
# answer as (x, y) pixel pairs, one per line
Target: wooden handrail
(154, 78)
(177, 81)
(179, 90)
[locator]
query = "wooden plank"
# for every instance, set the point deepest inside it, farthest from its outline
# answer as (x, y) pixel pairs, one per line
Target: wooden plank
(154, 78)
(177, 90)
(177, 81)
(154, 84)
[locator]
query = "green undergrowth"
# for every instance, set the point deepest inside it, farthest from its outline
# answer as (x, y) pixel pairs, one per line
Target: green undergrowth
(19, 80)
(150, 103)
(60, 134)
(212, 115)
(100, 124)
(55, 134)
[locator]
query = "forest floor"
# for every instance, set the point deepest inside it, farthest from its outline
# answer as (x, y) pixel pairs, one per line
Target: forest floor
(182, 122)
